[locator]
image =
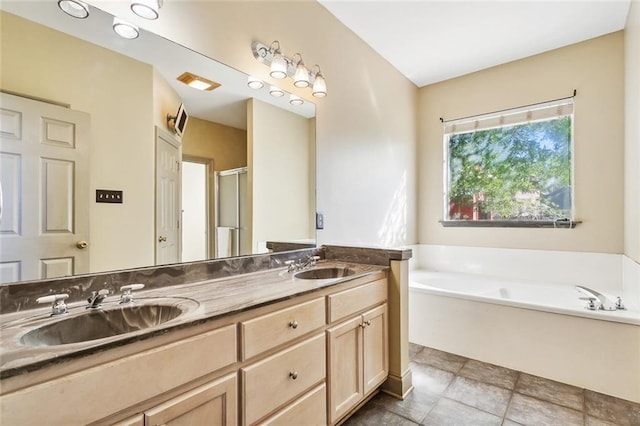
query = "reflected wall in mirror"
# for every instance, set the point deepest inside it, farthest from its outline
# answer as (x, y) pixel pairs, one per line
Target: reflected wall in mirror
(123, 90)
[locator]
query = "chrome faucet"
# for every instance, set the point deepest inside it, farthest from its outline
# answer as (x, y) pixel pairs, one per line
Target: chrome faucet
(96, 298)
(599, 301)
(309, 262)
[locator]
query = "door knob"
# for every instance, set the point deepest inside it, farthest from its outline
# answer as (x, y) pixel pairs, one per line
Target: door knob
(162, 239)
(81, 244)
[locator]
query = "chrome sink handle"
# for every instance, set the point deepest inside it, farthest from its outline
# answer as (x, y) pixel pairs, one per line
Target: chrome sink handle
(58, 307)
(127, 295)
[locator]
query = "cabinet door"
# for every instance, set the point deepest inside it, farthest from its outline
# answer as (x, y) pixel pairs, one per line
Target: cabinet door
(375, 347)
(345, 367)
(212, 404)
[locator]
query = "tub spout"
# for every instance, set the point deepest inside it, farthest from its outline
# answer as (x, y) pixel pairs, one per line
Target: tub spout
(598, 300)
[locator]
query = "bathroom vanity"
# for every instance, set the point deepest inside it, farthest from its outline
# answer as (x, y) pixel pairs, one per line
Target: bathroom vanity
(264, 347)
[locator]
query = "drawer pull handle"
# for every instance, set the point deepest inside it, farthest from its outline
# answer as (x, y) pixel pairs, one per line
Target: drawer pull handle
(293, 375)
(293, 324)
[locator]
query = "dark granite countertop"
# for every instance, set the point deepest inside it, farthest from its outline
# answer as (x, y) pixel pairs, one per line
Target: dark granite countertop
(203, 301)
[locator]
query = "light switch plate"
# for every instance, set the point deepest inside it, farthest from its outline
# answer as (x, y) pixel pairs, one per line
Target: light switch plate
(108, 196)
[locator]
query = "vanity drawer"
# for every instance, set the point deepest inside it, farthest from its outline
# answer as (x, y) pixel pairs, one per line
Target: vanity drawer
(312, 407)
(356, 299)
(281, 377)
(268, 331)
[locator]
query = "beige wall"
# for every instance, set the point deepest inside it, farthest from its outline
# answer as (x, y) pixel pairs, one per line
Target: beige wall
(594, 68)
(226, 146)
(366, 126)
(632, 134)
(117, 92)
(278, 175)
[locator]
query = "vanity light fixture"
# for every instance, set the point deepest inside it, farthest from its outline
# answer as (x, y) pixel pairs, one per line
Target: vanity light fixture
(295, 100)
(319, 89)
(76, 8)
(197, 82)
(125, 29)
(254, 83)
(301, 77)
(276, 92)
(147, 9)
(281, 66)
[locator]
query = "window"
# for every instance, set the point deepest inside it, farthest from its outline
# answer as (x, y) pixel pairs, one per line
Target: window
(512, 168)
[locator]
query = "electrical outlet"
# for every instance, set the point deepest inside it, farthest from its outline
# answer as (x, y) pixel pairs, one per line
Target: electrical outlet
(319, 221)
(108, 196)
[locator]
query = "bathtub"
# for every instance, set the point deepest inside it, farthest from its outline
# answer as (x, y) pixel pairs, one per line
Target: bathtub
(535, 327)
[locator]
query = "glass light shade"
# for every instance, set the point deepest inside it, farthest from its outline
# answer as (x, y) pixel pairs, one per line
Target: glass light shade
(276, 92)
(278, 66)
(147, 9)
(301, 77)
(125, 29)
(295, 100)
(319, 87)
(75, 8)
(254, 83)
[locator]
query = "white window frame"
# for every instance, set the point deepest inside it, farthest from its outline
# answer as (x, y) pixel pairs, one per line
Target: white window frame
(521, 115)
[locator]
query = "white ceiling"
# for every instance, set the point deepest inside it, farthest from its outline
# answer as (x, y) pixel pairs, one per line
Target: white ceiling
(430, 41)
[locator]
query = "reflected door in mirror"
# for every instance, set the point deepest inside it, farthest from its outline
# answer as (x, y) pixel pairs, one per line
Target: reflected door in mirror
(44, 163)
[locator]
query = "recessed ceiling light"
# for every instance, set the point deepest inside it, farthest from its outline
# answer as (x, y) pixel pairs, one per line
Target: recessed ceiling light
(147, 9)
(75, 8)
(125, 29)
(255, 83)
(198, 82)
(275, 91)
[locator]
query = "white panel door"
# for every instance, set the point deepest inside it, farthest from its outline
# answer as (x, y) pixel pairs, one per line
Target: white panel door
(44, 179)
(168, 198)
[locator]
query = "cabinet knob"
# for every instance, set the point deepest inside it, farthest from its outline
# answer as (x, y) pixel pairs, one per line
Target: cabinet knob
(293, 324)
(293, 375)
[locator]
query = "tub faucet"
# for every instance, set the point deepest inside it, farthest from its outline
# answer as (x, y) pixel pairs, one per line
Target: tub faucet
(599, 301)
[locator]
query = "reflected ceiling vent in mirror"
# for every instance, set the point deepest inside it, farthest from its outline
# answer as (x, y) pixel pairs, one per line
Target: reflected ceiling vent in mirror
(281, 66)
(75, 8)
(125, 29)
(147, 9)
(198, 82)
(254, 83)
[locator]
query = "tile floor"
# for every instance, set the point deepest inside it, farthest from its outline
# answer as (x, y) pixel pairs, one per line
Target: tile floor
(453, 390)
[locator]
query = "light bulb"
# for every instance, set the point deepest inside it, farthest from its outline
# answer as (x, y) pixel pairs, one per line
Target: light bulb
(301, 78)
(276, 92)
(254, 83)
(319, 86)
(125, 29)
(147, 9)
(278, 66)
(75, 8)
(295, 100)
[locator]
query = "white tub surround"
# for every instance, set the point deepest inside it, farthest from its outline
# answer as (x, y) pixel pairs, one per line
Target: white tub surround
(520, 309)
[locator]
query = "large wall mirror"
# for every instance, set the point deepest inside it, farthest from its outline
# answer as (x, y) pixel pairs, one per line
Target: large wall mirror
(93, 177)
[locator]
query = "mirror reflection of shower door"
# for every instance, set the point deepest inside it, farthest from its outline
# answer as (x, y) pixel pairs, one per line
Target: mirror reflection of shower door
(231, 228)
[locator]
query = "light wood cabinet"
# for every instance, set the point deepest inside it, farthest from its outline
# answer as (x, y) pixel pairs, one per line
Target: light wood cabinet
(268, 331)
(310, 409)
(358, 360)
(308, 360)
(273, 381)
(213, 404)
